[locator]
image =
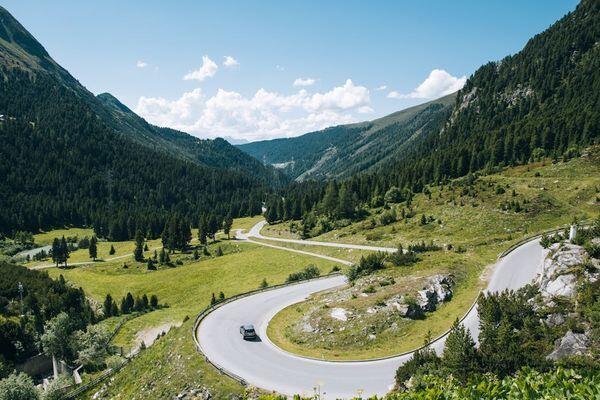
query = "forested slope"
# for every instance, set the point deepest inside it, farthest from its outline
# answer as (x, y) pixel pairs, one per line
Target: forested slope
(63, 159)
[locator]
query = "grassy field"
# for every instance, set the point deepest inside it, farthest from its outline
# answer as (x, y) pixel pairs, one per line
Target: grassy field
(186, 289)
(553, 194)
(47, 237)
(391, 333)
(351, 255)
(245, 223)
(469, 216)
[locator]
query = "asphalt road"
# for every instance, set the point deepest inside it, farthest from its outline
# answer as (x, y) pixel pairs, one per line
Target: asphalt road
(264, 365)
(255, 232)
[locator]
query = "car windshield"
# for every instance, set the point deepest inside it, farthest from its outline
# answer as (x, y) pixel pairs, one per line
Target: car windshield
(250, 330)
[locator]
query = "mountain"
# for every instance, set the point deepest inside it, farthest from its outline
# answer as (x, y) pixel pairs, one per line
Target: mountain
(68, 157)
(216, 153)
(541, 103)
(345, 150)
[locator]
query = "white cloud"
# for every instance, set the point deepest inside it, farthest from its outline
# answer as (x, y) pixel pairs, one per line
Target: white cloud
(207, 70)
(394, 95)
(279, 68)
(264, 115)
(141, 64)
(230, 62)
(304, 82)
(380, 88)
(438, 83)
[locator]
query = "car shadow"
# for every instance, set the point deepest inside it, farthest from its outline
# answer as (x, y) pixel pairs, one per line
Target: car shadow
(254, 340)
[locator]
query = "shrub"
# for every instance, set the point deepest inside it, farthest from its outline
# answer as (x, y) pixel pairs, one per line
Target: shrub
(401, 258)
(309, 272)
(18, 386)
(367, 265)
(115, 361)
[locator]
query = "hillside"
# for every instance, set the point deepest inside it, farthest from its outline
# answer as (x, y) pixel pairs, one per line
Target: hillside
(70, 158)
(541, 101)
(216, 153)
(344, 150)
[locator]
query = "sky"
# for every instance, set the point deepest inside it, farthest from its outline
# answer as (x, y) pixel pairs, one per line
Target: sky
(254, 70)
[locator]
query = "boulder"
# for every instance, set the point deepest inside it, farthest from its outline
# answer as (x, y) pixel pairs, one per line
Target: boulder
(412, 311)
(437, 290)
(558, 276)
(572, 344)
(553, 320)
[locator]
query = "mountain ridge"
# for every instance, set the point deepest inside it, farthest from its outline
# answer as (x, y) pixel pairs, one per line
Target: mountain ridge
(344, 150)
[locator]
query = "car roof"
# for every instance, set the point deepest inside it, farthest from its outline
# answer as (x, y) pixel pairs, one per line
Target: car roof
(248, 327)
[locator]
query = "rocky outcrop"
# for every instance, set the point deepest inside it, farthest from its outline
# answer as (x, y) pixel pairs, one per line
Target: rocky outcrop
(572, 344)
(437, 290)
(559, 271)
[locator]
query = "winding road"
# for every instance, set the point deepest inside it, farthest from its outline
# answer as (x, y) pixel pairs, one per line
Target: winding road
(264, 365)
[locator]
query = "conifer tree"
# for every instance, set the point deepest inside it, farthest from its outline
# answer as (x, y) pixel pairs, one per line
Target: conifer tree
(460, 356)
(93, 249)
(138, 253)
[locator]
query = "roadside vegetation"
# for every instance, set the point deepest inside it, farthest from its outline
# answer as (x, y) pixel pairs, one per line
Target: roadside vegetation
(456, 230)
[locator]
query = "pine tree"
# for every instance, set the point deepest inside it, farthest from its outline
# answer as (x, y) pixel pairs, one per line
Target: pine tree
(124, 306)
(93, 249)
(460, 356)
(129, 301)
(202, 229)
(227, 224)
(56, 251)
(330, 199)
(213, 226)
(154, 301)
(138, 253)
(107, 306)
(64, 251)
(112, 250)
(114, 309)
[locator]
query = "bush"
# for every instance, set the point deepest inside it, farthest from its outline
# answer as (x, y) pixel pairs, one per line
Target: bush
(388, 217)
(18, 386)
(424, 247)
(309, 272)
(593, 250)
(115, 361)
(401, 258)
(55, 389)
(367, 265)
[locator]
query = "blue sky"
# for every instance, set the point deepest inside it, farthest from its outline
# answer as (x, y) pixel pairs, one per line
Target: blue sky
(342, 51)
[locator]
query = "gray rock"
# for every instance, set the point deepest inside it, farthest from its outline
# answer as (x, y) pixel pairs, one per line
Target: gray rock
(558, 277)
(554, 320)
(572, 344)
(412, 311)
(438, 290)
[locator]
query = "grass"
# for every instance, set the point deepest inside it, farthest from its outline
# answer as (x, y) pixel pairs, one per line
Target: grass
(245, 223)
(187, 288)
(352, 255)
(47, 237)
(469, 216)
(347, 343)
(161, 371)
